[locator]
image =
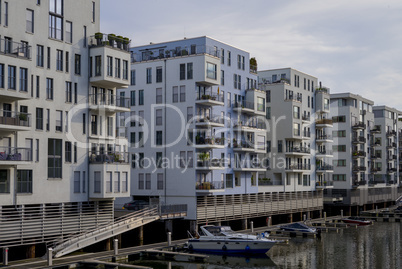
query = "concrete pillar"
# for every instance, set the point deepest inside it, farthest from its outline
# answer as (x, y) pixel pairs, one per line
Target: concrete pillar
(350, 211)
(30, 252)
(141, 235)
(169, 238)
(119, 238)
(290, 218)
(49, 257)
(193, 227)
(304, 217)
(252, 226)
(5, 256)
(341, 213)
(169, 226)
(325, 216)
(107, 244)
(116, 247)
(244, 224)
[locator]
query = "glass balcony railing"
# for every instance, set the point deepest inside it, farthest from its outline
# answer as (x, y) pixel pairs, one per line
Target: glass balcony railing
(109, 100)
(15, 154)
(214, 185)
(108, 157)
(15, 118)
(19, 50)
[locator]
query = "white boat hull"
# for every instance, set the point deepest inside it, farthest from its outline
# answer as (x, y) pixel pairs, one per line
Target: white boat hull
(231, 246)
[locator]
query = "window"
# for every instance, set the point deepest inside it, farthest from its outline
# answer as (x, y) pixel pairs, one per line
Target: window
(69, 94)
(341, 133)
(69, 32)
(175, 97)
(140, 181)
(132, 80)
(1, 75)
(158, 160)
(94, 124)
(125, 69)
(132, 139)
(260, 104)
(84, 124)
(37, 86)
(39, 55)
(340, 148)
(5, 13)
(239, 82)
(235, 81)
(296, 129)
(59, 121)
(132, 98)
(47, 119)
(211, 71)
(141, 118)
(182, 71)
(97, 182)
(109, 126)
(23, 79)
(54, 158)
(222, 56)
(12, 77)
(93, 11)
(68, 63)
(67, 151)
(4, 182)
(117, 68)
(77, 64)
(67, 119)
(280, 146)
(342, 102)
(56, 19)
(141, 97)
(158, 117)
(159, 74)
(48, 57)
(49, 88)
(189, 70)
(339, 119)
(222, 77)
(160, 181)
(29, 21)
(39, 118)
(339, 162)
(24, 181)
(149, 75)
(116, 185)
(77, 181)
(147, 181)
(229, 58)
(268, 113)
(59, 60)
(229, 177)
(182, 93)
(158, 138)
(189, 113)
(296, 112)
(339, 177)
(159, 95)
(75, 93)
(75, 152)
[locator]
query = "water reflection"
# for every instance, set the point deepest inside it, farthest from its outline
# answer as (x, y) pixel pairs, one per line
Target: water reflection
(375, 246)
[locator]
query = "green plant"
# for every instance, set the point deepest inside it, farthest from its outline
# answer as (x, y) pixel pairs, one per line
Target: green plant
(119, 39)
(111, 37)
(203, 156)
(98, 35)
(23, 116)
(126, 40)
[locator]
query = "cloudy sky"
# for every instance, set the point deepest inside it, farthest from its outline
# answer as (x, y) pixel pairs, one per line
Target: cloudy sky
(351, 46)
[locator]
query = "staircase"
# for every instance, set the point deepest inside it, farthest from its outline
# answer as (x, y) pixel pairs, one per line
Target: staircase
(398, 201)
(116, 227)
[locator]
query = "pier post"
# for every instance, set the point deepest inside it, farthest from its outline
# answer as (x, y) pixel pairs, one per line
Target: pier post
(141, 235)
(5, 256)
(116, 247)
(252, 226)
(325, 216)
(49, 257)
(304, 217)
(30, 253)
(169, 225)
(169, 238)
(341, 213)
(193, 227)
(244, 224)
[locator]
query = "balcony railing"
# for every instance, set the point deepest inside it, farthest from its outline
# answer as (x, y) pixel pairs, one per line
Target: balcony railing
(155, 54)
(322, 89)
(250, 124)
(323, 137)
(15, 118)
(15, 154)
(359, 154)
(375, 156)
(299, 150)
(109, 157)
(243, 144)
(243, 104)
(210, 141)
(325, 183)
(19, 50)
(298, 166)
(249, 164)
(359, 139)
(210, 95)
(324, 152)
(210, 163)
(269, 182)
(324, 167)
(293, 98)
(391, 133)
(214, 185)
(213, 119)
(306, 118)
(324, 121)
(376, 129)
(109, 100)
(358, 125)
(357, 168)
(375, 169)
(109, 40)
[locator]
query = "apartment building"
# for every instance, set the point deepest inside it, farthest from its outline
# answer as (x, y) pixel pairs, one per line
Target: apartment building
(61, 164)
(365, 152)
(299, 135)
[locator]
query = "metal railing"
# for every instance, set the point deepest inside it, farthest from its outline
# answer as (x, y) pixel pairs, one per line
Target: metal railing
(109, 40)
(20, 50)
(210, 141)
(213, 119)
(109, 100)
(359, 153)
(298, 166)
(324, 167)
(243, 104)
(324, 183)
(323, 137)
(359, 124)
(15, 154)
(213, 162)
(324, 152)
(110, 157)
(322, 89)
(359, 139)
(324, 121)
(155, 54)
(298, 149)
(210, 95)
(293, 98)
(263, 182)
(210, 185)
(15, 118)
(243, 144)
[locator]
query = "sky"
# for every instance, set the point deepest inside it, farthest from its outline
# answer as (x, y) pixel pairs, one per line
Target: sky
(349, 45)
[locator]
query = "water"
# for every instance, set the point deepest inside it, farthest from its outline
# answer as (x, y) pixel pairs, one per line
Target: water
(375, 246)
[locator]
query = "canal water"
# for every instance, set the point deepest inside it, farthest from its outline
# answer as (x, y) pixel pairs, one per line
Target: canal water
(375, 246)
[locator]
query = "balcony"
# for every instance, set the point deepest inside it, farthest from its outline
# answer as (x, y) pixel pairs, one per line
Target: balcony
(210, 143)
(324, 168)
(375, 169)
(209, 187)
(375, 156)
(109, 40)
(324, 184)
(323, 138)
(158, 54)
(293, 98)
(210, 164)
(249, 166)
(110, 157)
(14, 121)
(358, 154)
(246, 126)
(357, 168)
(358, 140)
(244, 107)
(392, 170)
(214, 121)
(109, 103)
(359, 125)
(15, 156)
(298, 151)
(306, 119)
(322, 123)
(15, 49)
(243, 146)
(210, 98)
(376, 143)
(376, 130)
(298, 167)
(269, 182)
(391, 133)
(321, 153)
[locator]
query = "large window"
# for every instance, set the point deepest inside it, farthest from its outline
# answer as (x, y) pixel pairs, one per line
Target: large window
(49, 88)
(125, 70)
(69, 32)
(56, 19)
(260, 104)
(59, 60)
(23, 79)
(1, 75)
(39, 55)
(68, 152)
(211, 71)
(39, 118)
(182, 71)
(24, 181)
(175, 96)
(69, 94)
(132, 79)
(117, 68)
(12, 77)
(159, 98)
(4, 181)
(29, 21)
(149, 75)
(77, 64)
(54, 159)
(189, 70)
(159, 74)
(141, 97)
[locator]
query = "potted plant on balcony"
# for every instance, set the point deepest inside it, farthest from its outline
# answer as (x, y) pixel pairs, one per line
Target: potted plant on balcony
(126, 41)
(111, 38)
(98, 37)
(119, 41)
(203, 157)
(23, 117)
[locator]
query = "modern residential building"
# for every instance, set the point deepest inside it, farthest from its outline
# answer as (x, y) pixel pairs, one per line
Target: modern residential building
(196, 101)
(365, 152)
(61, 163)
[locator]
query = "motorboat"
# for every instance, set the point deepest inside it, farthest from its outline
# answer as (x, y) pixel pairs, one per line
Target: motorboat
(223, 240)
(298, 227)
(357, 220)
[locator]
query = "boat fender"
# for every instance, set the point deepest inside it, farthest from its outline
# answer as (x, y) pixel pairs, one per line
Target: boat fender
(224, 248)
(247, 248)
(190, 247)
